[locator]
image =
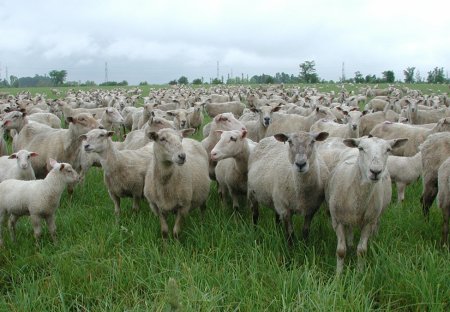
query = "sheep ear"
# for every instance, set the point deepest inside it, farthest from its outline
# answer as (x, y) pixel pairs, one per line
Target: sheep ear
(153, 136)
(395, 143)
(243, 134)
(70, 119)
(351, 142)
(219, 132)
(61, 167)
(34, 154)
(110, 133)
(171, 113)
(345, 113)
(52, 162)
(82, 137)
(13, 156)
(277, 108)
(187, 132)
(281, 137)
(322, 136)
(254, 109)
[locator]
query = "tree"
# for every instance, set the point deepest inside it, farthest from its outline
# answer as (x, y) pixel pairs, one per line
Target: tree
(308, 72)
(216, 81)
(409, 74)
(183, 80)
(388, 76)
(14, 81)
(58, 76)
(172, 82)
(359, 77)
(197, 81)
(436, 75)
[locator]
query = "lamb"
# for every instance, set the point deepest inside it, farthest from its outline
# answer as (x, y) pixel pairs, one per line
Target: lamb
(179, 164)
(294, 123)
(124, 171)
(288, 178)
(444, 197)
(17, 166)
(334, 129)
(358, 191)
(214, 109)
(404, 171)
(415, 134)
(232, 153)
(225, 121)
(38, 198)
(435, 150)
(62, 144)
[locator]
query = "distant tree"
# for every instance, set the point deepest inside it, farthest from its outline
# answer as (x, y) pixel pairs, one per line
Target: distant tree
(308, 72)
(197, 81)
(388, 76)
(14, 81)
(143, 83)
(173, 82)
(370, 79)
(436, 75)
(216, 81)
(183, 80)
(58, 76)
(358, 77)
(409, 74)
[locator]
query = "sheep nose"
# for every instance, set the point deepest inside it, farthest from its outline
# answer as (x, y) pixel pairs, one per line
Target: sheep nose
(375, 172)
(301, 165)
(182, 157)
(101, 127)
(354, 127)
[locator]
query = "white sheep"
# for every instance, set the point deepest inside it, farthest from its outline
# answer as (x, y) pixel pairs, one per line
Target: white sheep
(257, 128)
(214, 109)
(289, 178)
(348, 130)
(48, 119)
(124, 171)
(444, 197)
(38, 198)
(3, 145)
(358, 191)
(404, 171)
(232, 153)
(177, 178)
(17, 166)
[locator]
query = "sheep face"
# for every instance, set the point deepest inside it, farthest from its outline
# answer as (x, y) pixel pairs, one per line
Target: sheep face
(13, 119)
(265, 113)
(23, 158)
(229, 144)
(168, 146)
(114, 115)
(84, 122)
(353, 119)
(157, 123)
(373, 154)
(96, 140)
(227, 121)
(68, 174)
(180, 118)
(301, 148)
(443, 125)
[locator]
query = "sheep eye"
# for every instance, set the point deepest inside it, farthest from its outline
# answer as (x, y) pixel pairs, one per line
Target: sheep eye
(290, 142)
(361, 149)
(162, 139)
(233, 139)
(389, 150)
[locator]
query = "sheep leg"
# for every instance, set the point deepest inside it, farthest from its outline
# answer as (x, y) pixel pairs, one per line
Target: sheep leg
(254, 208)
(362, 245)
(12, 226)
(116, 201)
(177, 226)
(349, 235)
(2, 217)
(135, 204)
(287, 219)
(163, 223)
(307, 224)
(235, 199)
(341, 248)
(400, 191)
(51, 227)
(428, 196)
(37, 228)
(446, 217)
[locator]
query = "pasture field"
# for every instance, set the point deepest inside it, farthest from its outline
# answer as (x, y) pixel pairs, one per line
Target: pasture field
(221, 262)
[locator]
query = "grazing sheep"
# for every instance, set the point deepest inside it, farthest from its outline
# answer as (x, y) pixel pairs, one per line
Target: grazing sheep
(177, 178)
(288, 178)
(124, 171)
(61, 144)
(404, 171)
(288, 123)
(232, 153)
(38, 198)
(435, 150)
(214, 109)
(416, 135)
(358, 191)
(444, 197)
(17, 166)
(225, 121)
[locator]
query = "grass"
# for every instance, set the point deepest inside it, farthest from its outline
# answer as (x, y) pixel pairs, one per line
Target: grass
(220, 263)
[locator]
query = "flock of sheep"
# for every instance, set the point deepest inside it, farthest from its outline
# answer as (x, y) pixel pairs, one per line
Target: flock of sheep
(284, 148)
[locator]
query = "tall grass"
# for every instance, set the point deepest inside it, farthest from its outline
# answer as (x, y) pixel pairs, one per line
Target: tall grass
(221, 261)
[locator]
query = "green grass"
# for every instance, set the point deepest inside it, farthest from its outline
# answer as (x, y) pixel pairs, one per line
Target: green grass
(221, 263)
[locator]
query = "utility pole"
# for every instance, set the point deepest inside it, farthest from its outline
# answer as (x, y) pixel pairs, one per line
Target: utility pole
(343, 72)
(106, 71)
(6, 74)
(217, 70)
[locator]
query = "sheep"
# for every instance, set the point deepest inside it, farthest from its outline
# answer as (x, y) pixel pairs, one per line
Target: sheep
(17, 166)
(180, 118)
(435, 150)
(404, 171)
(112, 119)
(377, 105)
(232, 153)
(3, 145)
(178, 164)
(62, 144)
(48, 119)
(288, 178)
(418, 116)
(358, 191)
(127, 113)
(415, 134)
(225, 121)
(123, 171)
(334, 129)
(195, 117)
(37, 198)
(257, 128)
(369, 121)
(294, 123)
(214, 109)
(444, 197)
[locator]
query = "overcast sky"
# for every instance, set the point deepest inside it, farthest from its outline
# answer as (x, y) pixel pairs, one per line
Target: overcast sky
(157, 41)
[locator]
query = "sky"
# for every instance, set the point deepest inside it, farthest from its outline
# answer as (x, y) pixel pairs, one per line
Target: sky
(158, 41)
